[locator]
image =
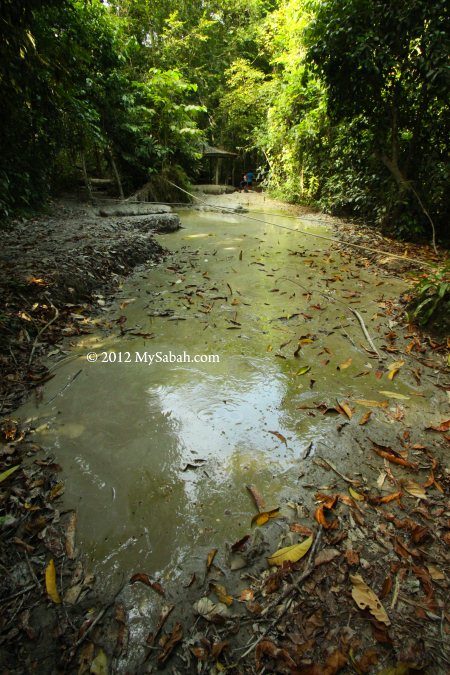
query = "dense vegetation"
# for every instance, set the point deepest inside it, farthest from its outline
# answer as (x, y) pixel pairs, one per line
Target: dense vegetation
(342, 104)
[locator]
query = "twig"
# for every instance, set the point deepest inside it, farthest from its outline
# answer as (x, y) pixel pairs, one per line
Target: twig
(333, 468)
(41, 331)
(294, 589)
(65, 387)
(327, 296)
(16, 595)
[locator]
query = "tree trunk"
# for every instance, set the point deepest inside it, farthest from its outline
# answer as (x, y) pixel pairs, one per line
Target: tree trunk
(116, 174)
(86, 177)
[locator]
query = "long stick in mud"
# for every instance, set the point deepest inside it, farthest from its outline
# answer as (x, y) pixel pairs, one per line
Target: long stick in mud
(347, 307)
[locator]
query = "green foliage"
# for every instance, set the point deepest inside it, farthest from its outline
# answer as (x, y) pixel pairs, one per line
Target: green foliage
(432, 295)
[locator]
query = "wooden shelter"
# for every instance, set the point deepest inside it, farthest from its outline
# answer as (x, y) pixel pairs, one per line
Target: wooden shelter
(216, 156)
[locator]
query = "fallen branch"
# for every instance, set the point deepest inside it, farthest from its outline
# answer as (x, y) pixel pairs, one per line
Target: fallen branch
(41, 331)
(327, 296)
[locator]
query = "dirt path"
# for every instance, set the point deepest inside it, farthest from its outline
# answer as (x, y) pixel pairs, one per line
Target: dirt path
(365, 572)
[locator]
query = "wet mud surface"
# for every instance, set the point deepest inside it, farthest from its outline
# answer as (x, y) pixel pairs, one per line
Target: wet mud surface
(168, 464)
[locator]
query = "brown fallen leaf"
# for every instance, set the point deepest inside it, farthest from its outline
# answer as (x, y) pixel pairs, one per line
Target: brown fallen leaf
(239, 545)
(168, 643)
(145, 579)
(221, 593)
(257, 498)
(70, 535)
(365, 418)
(268, 648)
(365, 598)
(210, 558)
(279, 436)
(372, 404)
(321, 516)
(326, 555)
(300, 529)
(386, 499)
(444, 426)
(414, 489)
(394, 457)
(343, 405)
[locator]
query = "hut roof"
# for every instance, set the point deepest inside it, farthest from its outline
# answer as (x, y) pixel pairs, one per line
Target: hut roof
(211, 151)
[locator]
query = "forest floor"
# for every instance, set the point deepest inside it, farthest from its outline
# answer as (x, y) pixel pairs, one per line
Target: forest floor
(364, 591)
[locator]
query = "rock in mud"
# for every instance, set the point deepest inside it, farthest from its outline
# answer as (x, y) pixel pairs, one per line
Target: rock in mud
(157, 222)
(135, 209)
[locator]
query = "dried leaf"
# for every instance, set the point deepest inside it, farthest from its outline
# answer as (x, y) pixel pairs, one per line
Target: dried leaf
(50, 583)
(211, 611)
(210, 558)
(169, 642)
(366, 598)
(394, 368)
(371, 404)
(394, 457)
(221, 593)
(356, 495)
(444, 426)
(346, 408)
(257, 498)
(300, 529)
(267, 648)
(326, 555)
(290, 553)
(99, 665)
(345, 364)
(264, 517)
(70, 536)
(414, 489)
(365, 418)
(280, 436)
(145, 579)
(394, 394)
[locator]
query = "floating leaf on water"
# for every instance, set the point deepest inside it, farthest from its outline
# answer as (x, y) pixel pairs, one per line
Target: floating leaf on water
(264, 516)
(366, 598)
(303, 370)
(280, 436)
(50, 583)
(345, 364)
(290, 553)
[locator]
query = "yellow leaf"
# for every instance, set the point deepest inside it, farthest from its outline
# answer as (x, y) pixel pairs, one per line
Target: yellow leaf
(394, 394)
(290, 553)
(303, 370)
(371, 404)
(264, 516)
(345, 364)
(365, 418)
(269, 348)
(414, 489)
(50, 583)
(221, 593)
(365, 597)
(99, 665)
(394, 368)
(8, 472)
(356, 495)
(346, 408)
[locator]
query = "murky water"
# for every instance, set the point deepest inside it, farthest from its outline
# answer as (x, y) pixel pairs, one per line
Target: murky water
(156, 456)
